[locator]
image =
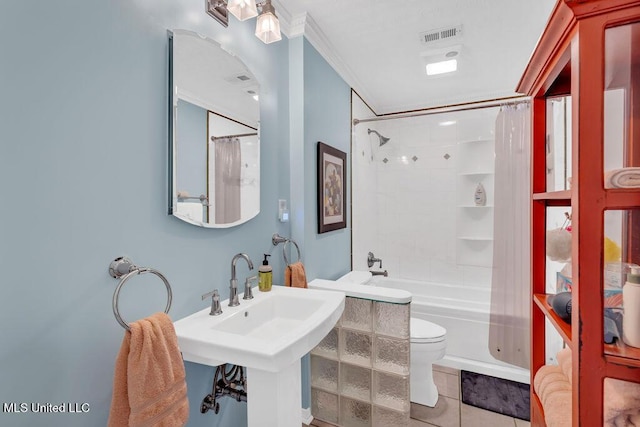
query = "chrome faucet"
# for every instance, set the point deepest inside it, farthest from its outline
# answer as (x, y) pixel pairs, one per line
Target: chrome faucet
(215, 302)
(247, 287)
(233, 283)
(371, 259)
(380, 273)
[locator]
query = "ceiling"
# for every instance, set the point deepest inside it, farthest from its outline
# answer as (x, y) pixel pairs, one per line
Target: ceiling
(375, 46)
(206, 75)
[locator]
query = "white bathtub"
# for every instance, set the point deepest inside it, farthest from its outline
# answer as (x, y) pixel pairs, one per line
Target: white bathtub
(464, 313)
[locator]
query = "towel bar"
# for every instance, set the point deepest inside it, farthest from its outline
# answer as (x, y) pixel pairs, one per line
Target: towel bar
(124, 269)
(277, 239)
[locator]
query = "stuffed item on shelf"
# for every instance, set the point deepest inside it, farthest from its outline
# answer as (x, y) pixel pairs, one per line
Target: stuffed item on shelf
(559, 245)
(612, 251)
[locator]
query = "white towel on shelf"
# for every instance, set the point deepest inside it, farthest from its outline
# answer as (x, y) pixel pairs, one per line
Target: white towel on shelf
(190, 210)
(622, 178)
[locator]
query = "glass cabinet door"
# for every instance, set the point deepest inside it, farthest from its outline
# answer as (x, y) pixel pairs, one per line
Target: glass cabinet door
(621, 104)
(558, 143)
(621, 168)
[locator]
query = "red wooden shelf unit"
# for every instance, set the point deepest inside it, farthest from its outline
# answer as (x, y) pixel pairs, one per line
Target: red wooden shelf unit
(589, 57)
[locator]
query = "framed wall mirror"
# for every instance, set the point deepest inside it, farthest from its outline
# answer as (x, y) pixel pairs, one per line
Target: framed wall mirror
(214, 134)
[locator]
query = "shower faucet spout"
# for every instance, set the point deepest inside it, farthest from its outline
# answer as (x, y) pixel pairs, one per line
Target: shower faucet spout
(371, 259)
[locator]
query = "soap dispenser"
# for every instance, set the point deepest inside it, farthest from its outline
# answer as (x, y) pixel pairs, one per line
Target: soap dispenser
(265, 275)
(631, 305)
(480, 195)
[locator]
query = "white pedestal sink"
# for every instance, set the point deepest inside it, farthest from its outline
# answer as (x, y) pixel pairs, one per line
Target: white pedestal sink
(268, 335)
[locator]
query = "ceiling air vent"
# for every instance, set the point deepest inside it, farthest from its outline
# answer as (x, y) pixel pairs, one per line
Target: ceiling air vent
(441, 34)
(238, 78)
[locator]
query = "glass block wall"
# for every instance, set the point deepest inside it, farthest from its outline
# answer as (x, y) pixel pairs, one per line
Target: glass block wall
(360, 371)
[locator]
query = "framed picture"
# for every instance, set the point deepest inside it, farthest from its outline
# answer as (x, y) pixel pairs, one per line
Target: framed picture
(332, 183)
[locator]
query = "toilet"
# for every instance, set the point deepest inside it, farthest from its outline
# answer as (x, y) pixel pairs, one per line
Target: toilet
(428, 345)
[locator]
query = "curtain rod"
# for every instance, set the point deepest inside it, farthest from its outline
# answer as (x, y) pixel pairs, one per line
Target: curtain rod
(238, 135)
(233, 120)
(476, 105)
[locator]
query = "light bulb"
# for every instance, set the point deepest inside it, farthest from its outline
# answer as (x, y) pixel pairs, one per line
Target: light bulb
(242, 9)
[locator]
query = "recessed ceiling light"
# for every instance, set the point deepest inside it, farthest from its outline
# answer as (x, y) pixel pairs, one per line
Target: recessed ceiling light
(442, 67)
(448, 123)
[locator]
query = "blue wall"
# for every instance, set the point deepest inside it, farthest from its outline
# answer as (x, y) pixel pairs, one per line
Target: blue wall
(327, 118)
(191, 163)
(320, 106)
(83, 167)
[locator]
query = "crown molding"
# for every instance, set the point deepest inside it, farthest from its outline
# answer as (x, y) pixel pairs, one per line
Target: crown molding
(304, 25)
(319, 40)
(284, 16)
(298, 25)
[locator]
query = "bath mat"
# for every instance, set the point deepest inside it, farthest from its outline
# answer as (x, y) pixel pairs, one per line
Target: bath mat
(495, 394)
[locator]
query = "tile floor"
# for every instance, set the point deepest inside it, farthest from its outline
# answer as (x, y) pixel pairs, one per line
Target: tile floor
(450, 411)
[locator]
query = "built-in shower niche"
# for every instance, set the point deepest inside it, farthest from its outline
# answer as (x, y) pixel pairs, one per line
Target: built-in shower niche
(474, 218)
(360, 371)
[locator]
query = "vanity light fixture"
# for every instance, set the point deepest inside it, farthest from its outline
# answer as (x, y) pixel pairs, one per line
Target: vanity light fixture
(267, 26)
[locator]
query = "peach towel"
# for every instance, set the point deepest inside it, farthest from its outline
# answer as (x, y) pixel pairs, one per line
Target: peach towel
(557, 411)
(554, 392)
(622, 403)
(552, 384)
(543, 374)
(294, 275)
(564, 361)
(149, 387)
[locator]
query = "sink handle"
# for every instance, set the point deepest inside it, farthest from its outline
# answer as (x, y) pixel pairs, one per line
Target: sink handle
(215, 302)
(247, 287)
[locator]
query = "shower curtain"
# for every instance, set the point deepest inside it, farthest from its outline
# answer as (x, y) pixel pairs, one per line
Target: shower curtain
(228, 163)
(510, 299)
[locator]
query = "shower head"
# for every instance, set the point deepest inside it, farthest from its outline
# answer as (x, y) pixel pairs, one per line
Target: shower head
(383, 139)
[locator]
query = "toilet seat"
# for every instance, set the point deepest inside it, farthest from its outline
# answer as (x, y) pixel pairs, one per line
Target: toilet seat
(423, 331)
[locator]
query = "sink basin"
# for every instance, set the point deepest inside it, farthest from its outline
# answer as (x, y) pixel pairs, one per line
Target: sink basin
(268, 333)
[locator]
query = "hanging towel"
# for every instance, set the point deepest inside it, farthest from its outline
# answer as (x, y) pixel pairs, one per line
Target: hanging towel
(294, 275)
(622, 178)
(149, 387)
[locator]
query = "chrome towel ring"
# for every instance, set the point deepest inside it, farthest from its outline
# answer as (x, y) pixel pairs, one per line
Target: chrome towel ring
(277, 239)
(124, 269)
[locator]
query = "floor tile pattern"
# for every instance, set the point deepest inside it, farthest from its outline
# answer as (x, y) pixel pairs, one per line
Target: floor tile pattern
(450, 411)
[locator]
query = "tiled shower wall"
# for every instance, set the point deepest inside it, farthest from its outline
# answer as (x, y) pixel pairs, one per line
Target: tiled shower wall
(413, 197)
(360, 371)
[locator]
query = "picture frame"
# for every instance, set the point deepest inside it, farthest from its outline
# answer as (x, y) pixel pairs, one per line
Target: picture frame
(332, 188)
